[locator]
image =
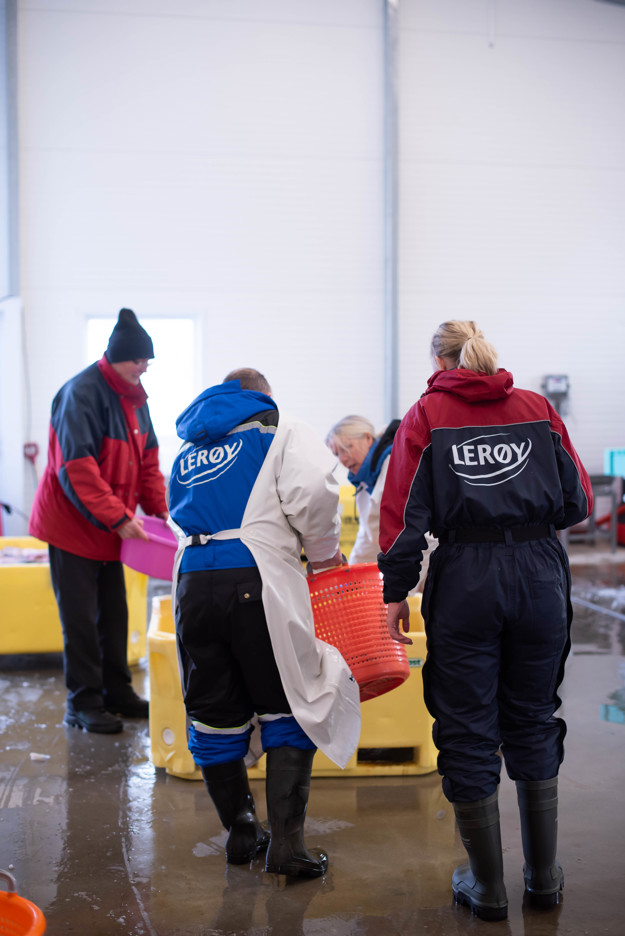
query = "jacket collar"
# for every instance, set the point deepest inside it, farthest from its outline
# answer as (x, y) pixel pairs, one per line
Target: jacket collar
(134, 392)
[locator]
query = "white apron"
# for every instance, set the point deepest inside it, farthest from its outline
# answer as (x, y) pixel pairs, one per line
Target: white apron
(296, 481)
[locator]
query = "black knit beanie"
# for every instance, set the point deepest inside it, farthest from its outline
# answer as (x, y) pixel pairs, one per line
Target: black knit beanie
(128, 341)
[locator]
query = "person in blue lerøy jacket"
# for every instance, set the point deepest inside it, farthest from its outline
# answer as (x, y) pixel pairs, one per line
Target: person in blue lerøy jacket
(250, 488)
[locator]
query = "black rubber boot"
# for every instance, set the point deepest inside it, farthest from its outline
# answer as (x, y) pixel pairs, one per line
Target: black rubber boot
(479, 885)
(229, 790)
(288, 787)
(538, 806)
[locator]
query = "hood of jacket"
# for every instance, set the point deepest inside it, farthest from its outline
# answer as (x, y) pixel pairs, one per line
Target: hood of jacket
(471, 386)
(218, 410)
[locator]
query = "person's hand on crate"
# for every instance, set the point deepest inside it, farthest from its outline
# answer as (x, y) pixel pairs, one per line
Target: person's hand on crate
(321, 565)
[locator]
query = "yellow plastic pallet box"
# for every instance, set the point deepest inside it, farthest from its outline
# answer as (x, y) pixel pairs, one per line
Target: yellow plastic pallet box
(396, 721)
(30, 619)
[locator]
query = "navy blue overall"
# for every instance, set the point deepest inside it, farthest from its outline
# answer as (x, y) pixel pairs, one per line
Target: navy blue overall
(497, 622)
(491, 471)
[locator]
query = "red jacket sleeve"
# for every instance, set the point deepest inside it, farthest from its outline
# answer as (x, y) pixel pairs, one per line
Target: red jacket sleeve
(405, 513)
(574, 479)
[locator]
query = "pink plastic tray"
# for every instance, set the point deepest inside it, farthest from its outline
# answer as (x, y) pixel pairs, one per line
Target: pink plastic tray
(156, 557)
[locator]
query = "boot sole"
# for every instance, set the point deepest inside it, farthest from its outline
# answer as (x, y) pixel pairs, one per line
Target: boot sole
(545, 900)
(300, 869)
(292, 871)
(488, 914)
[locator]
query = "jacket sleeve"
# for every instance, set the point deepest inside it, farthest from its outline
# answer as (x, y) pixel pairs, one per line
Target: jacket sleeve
(309, 492)
(405, 515)
(576, 487)
(77, 429)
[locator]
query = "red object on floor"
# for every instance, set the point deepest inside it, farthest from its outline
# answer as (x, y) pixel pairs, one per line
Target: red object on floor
(18, 916)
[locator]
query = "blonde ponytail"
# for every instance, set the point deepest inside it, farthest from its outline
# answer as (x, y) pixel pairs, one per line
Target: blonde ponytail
(464, 345)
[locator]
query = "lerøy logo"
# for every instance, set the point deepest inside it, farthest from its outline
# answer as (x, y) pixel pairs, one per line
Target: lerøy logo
(202, 465)
(484, 462)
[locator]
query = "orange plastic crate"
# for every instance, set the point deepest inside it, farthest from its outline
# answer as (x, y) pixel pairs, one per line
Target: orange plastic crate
(349, 613)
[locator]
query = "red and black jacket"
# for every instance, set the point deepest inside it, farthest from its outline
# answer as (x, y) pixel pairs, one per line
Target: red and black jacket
(102, 463)
(475, 452)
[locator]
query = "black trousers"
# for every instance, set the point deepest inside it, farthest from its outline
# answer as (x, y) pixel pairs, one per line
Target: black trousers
(91, 598)
(228, 666)
(497, 621)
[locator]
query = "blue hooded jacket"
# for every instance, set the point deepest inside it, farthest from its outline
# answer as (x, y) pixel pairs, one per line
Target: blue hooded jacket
(227, 432)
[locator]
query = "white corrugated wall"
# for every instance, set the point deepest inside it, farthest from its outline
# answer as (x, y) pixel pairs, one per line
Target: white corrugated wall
(512, 181)
(223, 159)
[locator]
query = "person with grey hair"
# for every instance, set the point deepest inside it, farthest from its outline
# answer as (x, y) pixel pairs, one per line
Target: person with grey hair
(250, 488)
(366, 456)
(490, 469)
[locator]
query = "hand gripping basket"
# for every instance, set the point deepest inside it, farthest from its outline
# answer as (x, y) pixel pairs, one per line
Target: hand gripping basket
(18, 916)
(350, 614)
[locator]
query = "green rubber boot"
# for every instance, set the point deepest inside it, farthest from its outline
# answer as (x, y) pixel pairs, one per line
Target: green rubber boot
(538, 807)
(479, 885)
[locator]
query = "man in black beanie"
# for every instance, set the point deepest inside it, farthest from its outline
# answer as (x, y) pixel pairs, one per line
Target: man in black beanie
(129, 341)
(102, 465)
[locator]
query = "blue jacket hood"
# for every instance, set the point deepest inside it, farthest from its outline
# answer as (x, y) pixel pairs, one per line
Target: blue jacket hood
(216, 411)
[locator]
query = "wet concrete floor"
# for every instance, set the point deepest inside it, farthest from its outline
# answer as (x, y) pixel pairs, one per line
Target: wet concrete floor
(108, 845)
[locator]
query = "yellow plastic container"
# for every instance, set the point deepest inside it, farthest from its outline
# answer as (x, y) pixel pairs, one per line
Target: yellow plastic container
(168, 718)
(30, 618)
(349, 518)
(395, 720)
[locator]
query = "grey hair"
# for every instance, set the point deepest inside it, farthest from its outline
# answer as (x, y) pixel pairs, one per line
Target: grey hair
(250, 379)
(354, 427)
(464, 345)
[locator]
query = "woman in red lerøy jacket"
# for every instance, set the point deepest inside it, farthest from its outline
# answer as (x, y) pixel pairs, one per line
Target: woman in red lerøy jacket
(491, 472)
(102, 463)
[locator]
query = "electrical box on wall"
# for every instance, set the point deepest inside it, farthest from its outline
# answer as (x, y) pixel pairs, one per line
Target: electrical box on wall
(556, 389)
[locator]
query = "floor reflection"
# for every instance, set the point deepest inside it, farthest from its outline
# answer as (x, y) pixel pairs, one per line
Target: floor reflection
(108, 845)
